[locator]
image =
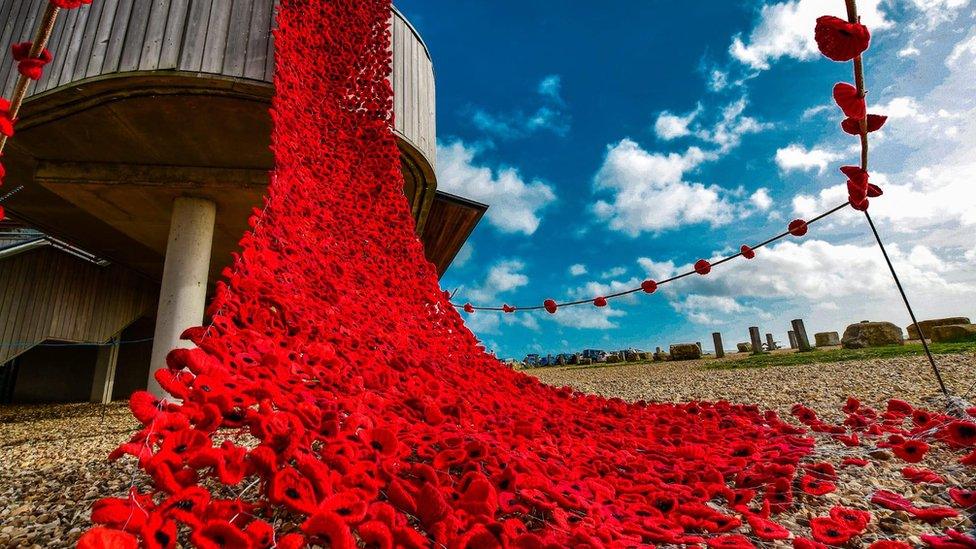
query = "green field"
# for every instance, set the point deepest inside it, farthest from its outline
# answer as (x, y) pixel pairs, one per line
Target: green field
(841, 355)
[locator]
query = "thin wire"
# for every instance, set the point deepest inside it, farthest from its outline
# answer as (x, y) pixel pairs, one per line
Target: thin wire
(908, 305)
(762, 244)
(79, 344)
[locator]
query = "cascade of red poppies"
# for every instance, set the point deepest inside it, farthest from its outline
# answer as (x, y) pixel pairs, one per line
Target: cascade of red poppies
(337, 397)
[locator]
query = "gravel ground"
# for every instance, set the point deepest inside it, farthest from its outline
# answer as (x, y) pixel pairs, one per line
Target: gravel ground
(823, 387)
(53, 458)
(53, 467)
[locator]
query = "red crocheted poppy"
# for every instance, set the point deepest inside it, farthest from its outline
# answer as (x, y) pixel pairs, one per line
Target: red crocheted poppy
(814, 486)
(961, 433)
(852, 126)
(830, 531)
(854, 520)
(703, 267)
(798, 227)
(911, 451)
(766, 529)
(288, 487)
(919, 475)
(840, 40)
(104, 538)
(963, 498)
(219, 534)
(70, 4)
(329, 528)
(850, 101)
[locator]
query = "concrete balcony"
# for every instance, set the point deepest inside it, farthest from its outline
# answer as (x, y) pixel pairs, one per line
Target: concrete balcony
(145, 145)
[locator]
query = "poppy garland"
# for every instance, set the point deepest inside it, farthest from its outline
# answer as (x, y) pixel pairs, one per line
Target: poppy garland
(338, 399)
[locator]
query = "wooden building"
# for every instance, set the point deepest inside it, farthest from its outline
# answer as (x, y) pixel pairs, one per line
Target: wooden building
(141, 152)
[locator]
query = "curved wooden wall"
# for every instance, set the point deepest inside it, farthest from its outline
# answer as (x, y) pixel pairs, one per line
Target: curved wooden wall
(210, 38)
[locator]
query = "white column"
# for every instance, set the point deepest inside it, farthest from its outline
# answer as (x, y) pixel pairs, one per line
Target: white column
(104, 379)
(183, 293)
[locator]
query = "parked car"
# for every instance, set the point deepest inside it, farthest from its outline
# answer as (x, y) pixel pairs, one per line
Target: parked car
(595, 355)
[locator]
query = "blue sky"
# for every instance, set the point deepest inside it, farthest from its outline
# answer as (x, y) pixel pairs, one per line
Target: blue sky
(623, 140)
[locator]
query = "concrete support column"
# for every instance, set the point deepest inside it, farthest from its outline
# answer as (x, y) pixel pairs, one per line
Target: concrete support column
(183, 292)
(792, 336)
(770, 342)
(104, 380)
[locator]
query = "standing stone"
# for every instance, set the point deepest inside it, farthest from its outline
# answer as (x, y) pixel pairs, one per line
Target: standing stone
(792, 335)
(826, 339)
(927, 325)
(756, 340)
(871, 334)
(802, 341)
(770, 344)
(717, 340)
(953, 333)
(685, 351)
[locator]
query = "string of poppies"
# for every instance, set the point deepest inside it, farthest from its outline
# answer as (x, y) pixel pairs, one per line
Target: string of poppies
(31, 58)
(337, 398)
(838, 40)
(797, 228)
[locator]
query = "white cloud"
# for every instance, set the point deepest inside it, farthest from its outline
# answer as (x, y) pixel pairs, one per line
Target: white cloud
(901, 107)
(718, 80)
(909, 51)
(657, 270)
(613, 272)
(785, 29)
(707, 309)
(795, 157)
(502, 277)
(813, 276)
(671, 126)
(577, 270)
(587, 317)
(649, 192)
(551, 87)
(761, 199)
(963, 54)
(939, 11)
(463, 255)
(514, 204)
(934, 197)
(814, 111)
(728, 131)
(549, 116)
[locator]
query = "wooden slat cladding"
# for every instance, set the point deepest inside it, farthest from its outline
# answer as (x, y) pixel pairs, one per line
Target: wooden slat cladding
(449, 224)
(50, 294)
(229, 38)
